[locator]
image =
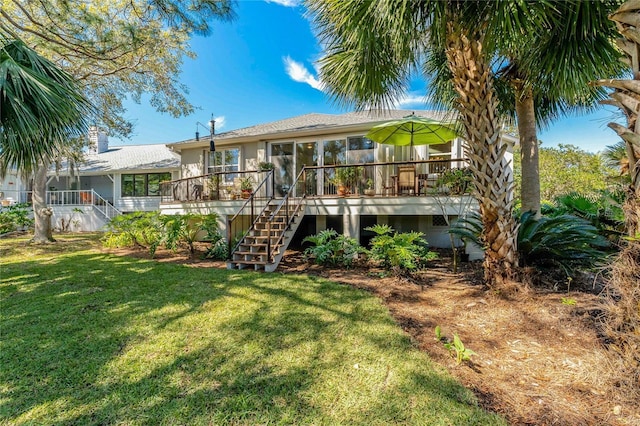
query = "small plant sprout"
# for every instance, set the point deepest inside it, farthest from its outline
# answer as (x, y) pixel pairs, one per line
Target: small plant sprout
(568, 301)
(438, 332)
(461, 352)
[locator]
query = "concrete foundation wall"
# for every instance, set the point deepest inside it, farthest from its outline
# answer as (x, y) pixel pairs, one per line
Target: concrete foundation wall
(77, 219)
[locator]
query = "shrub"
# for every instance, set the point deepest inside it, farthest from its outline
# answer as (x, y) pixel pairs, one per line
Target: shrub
(16, 216)
(139, 229)
(330, 248)
(563, 240)
(603, 210)
(152, 230)
(399, 251)
(218, 249)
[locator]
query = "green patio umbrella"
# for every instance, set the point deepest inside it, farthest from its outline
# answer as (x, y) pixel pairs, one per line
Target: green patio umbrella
(411, 131)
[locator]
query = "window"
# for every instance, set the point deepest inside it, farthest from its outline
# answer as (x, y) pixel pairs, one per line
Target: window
(442, 150)
(143, 184)
(225, 160)
(334, 152)
(360, 150)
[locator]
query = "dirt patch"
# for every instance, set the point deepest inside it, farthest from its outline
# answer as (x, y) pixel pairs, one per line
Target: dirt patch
(539, 359)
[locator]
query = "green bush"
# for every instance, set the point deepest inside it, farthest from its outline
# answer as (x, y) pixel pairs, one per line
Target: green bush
(139, 229)
(565, 240)
(602, 210)
(399, 251)
(16, 216)
(330, 248)
(152, 230)
(218, 248)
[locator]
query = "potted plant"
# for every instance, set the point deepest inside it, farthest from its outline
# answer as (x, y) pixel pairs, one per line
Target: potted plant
(345, 179)
(246, 187)
(369, 189)
(264, 166)
(455, 181)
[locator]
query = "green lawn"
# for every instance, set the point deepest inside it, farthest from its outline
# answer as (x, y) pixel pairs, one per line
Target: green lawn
(90, 338)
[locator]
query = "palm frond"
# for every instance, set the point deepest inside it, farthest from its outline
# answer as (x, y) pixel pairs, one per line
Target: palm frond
(41, 106)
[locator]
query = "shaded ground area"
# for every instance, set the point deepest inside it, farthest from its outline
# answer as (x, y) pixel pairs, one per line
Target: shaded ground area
(538, 359)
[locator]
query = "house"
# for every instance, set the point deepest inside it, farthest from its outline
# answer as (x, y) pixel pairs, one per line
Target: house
(107, 182)
(312, 154)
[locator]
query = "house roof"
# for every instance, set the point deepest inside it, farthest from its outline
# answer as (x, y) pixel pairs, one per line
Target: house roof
(129, 157)
(313, 123)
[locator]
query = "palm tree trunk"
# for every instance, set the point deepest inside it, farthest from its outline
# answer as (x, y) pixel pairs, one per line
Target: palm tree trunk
(477, 104)
(41, 212)
(622, 314)
(529, 158)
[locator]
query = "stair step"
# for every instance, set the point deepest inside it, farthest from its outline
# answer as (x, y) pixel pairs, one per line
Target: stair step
(250, 253)
(276, 225)
(262, 237)
(249, 262)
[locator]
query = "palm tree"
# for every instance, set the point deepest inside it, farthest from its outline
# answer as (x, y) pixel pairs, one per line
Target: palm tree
(550, 75)
(622, 317)
(615, 156)
(544, 73)
(41, 109)
(374, 47)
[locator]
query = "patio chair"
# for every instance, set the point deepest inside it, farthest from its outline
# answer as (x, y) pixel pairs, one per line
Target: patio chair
(406, 180)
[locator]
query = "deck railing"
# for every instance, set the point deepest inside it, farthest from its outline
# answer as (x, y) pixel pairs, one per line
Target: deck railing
(397, 178)
(212, 186)
(288, 207)
(374, 179)
(257, 202)
(71, 197)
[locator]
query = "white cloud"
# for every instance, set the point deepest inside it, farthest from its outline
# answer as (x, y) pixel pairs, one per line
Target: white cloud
(285, 3)
(411, 99)
(220, 122)
(298, 72)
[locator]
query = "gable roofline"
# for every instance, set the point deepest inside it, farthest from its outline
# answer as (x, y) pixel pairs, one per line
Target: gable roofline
(313, 124)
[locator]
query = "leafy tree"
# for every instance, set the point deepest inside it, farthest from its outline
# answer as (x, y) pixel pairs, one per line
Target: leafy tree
(118, 48)
(114, 50)
(567, 168)
(374, 47)
(578, 35)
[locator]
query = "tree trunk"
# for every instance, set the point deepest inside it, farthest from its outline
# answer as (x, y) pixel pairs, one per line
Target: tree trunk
(477, 103)
(529, 159)
(621, 323)
(41, 213)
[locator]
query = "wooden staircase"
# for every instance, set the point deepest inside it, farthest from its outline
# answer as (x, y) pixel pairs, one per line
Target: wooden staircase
(264, 244)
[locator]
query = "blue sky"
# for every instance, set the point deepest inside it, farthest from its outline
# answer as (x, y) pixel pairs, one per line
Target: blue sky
(260, 68)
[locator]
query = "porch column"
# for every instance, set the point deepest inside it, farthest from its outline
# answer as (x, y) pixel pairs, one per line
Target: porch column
(321, 223)
(351, 225)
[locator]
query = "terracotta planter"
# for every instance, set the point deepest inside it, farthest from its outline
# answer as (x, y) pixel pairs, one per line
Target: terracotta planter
(246, 193)
(370, 192)
(343, 191)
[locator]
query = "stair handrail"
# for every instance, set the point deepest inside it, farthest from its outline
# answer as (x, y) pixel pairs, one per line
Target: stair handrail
(289, 217)
(108, 206)
(251, 203)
